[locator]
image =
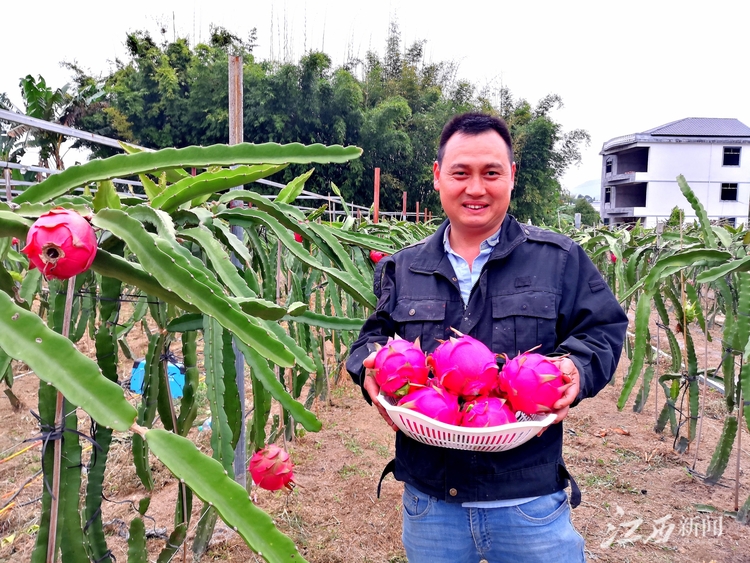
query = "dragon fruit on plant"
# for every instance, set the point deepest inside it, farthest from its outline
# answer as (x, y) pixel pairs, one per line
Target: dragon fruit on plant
(532, 383)
(435, 402)
(271, 468)
(376, 256)
(61, 243)
(465, 367)
(400, 365)
(486, 412)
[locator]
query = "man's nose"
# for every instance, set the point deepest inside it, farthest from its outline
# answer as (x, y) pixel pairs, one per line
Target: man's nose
(475, 185)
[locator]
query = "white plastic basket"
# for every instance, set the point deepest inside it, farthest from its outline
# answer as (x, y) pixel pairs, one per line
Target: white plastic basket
(493, 439)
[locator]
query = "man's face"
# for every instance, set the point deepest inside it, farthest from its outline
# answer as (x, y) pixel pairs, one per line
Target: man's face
(475, 181)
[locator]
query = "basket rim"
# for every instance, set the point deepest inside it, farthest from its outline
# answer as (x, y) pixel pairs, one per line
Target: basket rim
(466, 430)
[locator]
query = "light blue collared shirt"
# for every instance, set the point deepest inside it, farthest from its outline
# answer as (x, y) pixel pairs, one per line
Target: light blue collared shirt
(468, 277)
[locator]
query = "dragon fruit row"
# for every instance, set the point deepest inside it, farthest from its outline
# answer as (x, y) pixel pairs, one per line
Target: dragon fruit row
(466, 387)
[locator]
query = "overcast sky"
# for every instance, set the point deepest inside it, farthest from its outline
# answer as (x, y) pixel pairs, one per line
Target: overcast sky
(620, 67)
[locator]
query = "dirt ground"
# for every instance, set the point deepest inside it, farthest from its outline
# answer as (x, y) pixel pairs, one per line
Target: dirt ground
(641, 500)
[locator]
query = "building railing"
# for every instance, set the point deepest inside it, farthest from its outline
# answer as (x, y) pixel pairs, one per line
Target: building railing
(622, 140)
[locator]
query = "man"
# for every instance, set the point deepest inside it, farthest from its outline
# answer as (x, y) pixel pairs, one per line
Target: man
(514, 287)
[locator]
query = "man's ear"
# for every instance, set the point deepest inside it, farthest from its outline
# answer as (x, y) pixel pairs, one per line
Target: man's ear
(513, 174)
(436, 175)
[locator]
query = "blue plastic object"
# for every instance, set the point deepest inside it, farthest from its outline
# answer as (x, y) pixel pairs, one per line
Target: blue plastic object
(175, 372)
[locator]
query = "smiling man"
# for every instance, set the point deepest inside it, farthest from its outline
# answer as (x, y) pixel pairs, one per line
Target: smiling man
(514, 287)
(474, 174)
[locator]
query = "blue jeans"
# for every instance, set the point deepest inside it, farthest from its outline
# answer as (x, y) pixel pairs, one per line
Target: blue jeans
(539, 531)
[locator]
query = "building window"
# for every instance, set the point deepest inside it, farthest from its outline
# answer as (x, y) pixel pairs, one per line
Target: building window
(731, 156)
(608, 166)
(729, 192)
(728, 221)
(607, 194)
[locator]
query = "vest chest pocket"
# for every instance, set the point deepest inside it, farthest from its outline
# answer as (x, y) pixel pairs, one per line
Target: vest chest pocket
(421, 318)
(522, 321)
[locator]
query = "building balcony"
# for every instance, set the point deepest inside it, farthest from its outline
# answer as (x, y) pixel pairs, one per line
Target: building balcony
(616, 211)
(625, 178)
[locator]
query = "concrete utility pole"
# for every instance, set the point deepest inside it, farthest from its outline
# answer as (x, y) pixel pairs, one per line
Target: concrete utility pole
(376, 195)
(235, 138)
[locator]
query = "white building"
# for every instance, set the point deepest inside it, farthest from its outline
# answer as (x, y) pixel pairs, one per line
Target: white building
(639, 171)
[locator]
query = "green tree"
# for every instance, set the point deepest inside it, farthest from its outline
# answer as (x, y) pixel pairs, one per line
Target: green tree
(676, 217)
(542, 152)
(589, 215)
(65, 106)
(11, 150)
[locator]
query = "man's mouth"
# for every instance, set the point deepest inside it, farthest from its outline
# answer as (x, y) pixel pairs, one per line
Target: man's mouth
(475, 206)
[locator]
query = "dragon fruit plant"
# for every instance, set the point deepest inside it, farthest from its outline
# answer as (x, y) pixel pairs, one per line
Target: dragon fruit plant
(465, 367)
(435, 402)
(271, 468)
(183, 269)
(400, 367)
(532, 383)
(486, 412)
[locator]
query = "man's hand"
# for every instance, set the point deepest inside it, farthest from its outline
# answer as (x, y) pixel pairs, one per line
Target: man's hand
(572, 386)
(572, 380)
(373, 389)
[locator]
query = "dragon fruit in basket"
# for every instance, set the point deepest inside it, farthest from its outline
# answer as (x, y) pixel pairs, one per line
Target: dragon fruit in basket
(465, 367)
(486, 412)
(400, 367)
(532, 383)
(435, 402)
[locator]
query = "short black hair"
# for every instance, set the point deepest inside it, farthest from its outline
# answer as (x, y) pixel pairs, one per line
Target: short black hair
(473, 124)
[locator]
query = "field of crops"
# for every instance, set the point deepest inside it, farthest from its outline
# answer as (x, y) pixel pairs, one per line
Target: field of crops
(197, 276)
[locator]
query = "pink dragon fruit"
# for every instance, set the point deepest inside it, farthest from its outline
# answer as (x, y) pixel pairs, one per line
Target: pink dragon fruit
(532, 383)
(61, 243)
(435, 402)
(400, 365)
(271, 468)
(487, 411)
(465, 367)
